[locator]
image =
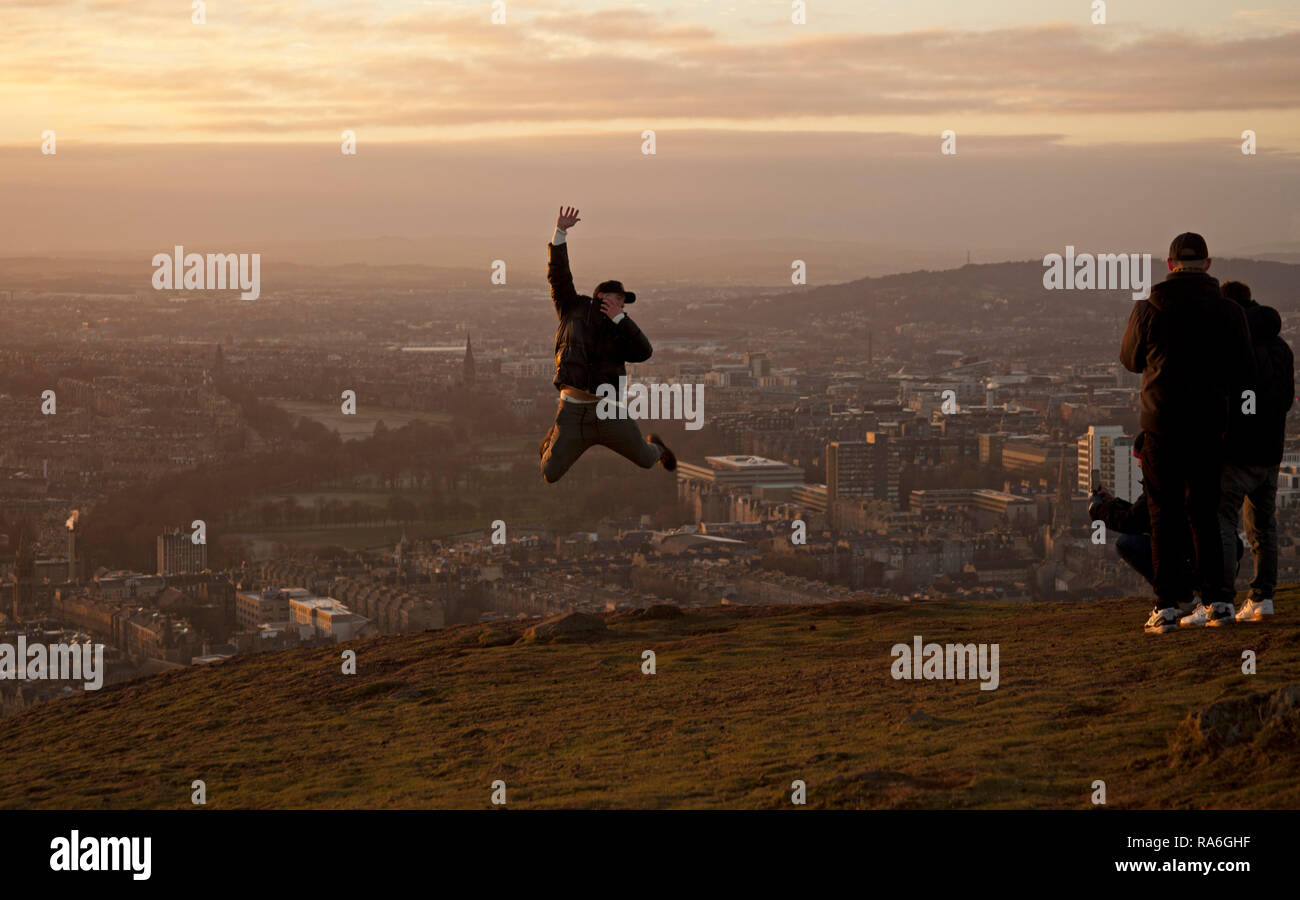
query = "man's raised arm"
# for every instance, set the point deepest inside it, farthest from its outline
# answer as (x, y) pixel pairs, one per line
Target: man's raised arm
(558, 275)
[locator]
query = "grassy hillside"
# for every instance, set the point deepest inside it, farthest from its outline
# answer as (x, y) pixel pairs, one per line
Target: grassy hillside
(744, 701)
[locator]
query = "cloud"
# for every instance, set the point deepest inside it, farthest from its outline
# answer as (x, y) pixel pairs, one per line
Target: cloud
(258, 69)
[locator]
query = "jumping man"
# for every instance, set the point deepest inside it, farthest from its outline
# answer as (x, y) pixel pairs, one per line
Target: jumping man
(593, 341)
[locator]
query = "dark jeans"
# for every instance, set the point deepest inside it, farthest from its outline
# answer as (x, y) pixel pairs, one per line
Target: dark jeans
(1181, 480)
(1135, 549)
(1257, 486)
(577, 427)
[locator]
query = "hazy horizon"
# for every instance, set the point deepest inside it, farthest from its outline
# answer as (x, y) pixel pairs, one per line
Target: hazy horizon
(733, 200)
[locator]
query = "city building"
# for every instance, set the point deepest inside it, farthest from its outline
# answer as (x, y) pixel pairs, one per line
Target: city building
(867, 469)
(326, 617)
(252, 608)
(179, 555)
(743, 472)
(1108, 450)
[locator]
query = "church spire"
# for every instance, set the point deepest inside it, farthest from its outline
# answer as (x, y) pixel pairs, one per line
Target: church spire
(469, 361)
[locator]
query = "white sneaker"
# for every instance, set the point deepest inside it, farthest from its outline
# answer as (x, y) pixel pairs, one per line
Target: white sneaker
(1254, 610)
(1208, 616)
(1162, 620)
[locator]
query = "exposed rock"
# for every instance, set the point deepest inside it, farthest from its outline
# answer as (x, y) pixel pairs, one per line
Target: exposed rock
(662, 611)
(495, 637)
(574, 626)
(1226, 723)
(842, 608)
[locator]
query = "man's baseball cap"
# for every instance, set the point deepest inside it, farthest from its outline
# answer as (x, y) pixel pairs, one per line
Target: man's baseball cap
(1188, 246)
(614, 287)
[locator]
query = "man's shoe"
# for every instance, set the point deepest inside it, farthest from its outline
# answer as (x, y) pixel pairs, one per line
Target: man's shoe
(1254, 610)
(1197, 619)
(1209, 615)
(1162, 620)
(667, 459)
(1221, 614)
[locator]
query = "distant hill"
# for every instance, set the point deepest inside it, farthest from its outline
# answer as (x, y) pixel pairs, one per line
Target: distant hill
(455, 261)
(930, 295)
(919, 294)
(745, 700)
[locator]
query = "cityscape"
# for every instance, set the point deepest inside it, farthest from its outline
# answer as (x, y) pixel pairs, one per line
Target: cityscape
(921, 436)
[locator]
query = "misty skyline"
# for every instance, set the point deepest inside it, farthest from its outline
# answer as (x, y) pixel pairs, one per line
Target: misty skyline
(723, 197)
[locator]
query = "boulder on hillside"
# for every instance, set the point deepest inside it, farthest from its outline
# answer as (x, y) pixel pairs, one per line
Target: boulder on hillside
(495, 637)
(574, 626)
(1236, 720)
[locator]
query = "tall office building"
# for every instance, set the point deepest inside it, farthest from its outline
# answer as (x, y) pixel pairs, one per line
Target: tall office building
(866, 469)
(1108, 449)
(848, 469)
(758, 364)
(179, 555)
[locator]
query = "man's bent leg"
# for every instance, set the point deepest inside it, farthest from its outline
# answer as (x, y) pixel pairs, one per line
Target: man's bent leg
(1135, 549)
(624, 437)
(569, 440)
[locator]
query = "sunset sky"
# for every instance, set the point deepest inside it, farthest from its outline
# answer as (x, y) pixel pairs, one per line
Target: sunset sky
(731, 87)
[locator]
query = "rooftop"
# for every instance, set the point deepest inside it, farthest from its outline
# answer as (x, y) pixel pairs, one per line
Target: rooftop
(745, 462)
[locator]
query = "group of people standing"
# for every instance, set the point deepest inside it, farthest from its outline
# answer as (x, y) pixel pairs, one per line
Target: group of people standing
(1217, 383)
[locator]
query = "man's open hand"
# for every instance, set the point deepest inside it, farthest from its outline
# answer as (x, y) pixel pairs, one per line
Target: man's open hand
(568, 218)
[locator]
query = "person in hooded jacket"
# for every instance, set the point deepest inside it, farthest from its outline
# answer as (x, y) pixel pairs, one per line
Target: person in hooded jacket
(1192, 347)
(1254, 451)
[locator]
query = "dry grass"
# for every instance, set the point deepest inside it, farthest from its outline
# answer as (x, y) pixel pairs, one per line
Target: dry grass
(744, 702)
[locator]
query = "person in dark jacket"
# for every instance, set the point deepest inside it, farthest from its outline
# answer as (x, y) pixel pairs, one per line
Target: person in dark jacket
(1192, 348)
(1254, 451)
(593, 341)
